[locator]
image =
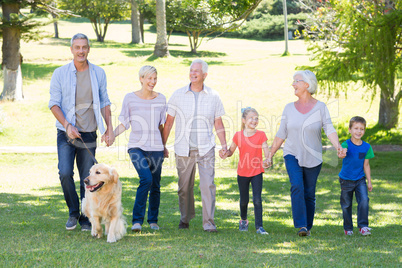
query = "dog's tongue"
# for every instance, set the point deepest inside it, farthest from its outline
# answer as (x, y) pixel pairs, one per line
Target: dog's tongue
(90, 187)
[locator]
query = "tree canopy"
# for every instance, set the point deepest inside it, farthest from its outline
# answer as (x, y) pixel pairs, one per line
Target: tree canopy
(201, 18)
(100, 12)
(358, 41)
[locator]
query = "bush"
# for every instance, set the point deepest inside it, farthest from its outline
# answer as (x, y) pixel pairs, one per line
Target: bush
(275, 7)
(268, 26)
(292, 6)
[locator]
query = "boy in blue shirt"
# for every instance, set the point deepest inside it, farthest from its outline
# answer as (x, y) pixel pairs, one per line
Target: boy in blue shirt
(355, 171)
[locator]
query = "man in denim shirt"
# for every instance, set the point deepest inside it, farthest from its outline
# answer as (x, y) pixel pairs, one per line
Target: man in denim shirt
(79, 100)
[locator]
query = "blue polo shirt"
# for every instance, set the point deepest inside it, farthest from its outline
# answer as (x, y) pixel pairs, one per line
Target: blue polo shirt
(353, 163)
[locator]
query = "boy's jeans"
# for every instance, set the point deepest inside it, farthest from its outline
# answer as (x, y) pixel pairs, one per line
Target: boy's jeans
(347, 189)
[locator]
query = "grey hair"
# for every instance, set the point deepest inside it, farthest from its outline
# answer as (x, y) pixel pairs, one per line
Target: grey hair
(79, 36)
(310, 78)
(204, 65)
(147, 70)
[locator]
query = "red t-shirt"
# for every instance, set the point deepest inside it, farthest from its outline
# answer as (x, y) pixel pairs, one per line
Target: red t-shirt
(250, 148)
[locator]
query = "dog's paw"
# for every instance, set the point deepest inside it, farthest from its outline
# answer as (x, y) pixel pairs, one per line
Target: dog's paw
(109, 240)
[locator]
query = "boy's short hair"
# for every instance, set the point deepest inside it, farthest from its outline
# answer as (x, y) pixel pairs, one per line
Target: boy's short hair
(357, 119)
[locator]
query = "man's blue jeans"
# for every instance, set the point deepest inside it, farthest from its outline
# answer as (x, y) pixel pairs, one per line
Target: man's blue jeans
(67, 151)
(303, 181)
(360, 189)
(149, 167)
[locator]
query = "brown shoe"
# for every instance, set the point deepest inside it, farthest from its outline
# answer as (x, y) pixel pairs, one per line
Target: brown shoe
(183, 225)
(211, 230)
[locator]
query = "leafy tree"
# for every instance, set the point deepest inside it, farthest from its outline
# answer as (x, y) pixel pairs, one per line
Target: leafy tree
(201, 18)
(161, 45)
(14, 27)
(359, 41)
(99, 12)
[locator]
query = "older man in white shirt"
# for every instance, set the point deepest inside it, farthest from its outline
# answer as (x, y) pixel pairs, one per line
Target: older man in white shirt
(197, 109)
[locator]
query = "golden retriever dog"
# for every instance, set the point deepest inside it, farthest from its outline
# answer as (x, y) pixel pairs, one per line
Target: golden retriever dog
(102, 202)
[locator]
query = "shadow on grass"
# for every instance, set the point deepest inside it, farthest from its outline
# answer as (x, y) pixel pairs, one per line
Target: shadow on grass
(34, 224)
(34, 71)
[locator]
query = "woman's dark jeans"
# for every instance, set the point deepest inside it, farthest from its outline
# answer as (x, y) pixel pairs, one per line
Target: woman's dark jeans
(149, 167)
(302, 191)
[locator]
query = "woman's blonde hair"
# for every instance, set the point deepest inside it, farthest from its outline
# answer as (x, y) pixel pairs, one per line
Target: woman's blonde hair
(147, 70)
(244, 113)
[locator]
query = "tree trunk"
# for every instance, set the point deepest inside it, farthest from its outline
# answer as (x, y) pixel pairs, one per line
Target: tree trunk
(285, 15)
(161, 45)
(135, 23)
(56, 26)
(12, 89)
(389, 112)
(142, 19)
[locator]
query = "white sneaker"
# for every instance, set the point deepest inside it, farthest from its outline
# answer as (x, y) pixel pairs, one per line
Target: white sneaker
(365, 231)
(136, 227)
(348, 232)
(261, 231)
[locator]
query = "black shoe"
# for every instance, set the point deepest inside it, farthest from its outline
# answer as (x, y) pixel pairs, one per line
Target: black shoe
(183, 225)
(71, 223)
(86, 227)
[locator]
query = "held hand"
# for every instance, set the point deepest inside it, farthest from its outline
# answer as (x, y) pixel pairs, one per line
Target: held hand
(111, 137)
(342, 152)
(223, 153)
(267, 162)
(105, 138)
(165, 153)
(108, 137)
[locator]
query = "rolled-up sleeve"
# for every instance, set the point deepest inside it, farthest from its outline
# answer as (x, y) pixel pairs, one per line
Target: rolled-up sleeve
(55, 90)
(103, 96)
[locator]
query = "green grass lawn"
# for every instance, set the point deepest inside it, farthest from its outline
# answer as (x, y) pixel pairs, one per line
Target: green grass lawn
(33, 215)
(246, 73)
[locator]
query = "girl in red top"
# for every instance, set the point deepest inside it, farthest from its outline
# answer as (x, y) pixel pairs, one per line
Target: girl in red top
(251, 142)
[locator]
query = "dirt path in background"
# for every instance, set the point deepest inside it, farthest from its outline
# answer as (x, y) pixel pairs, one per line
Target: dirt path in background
(387, 148)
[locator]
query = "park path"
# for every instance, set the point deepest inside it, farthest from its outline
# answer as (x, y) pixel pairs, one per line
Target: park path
(53, 149)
